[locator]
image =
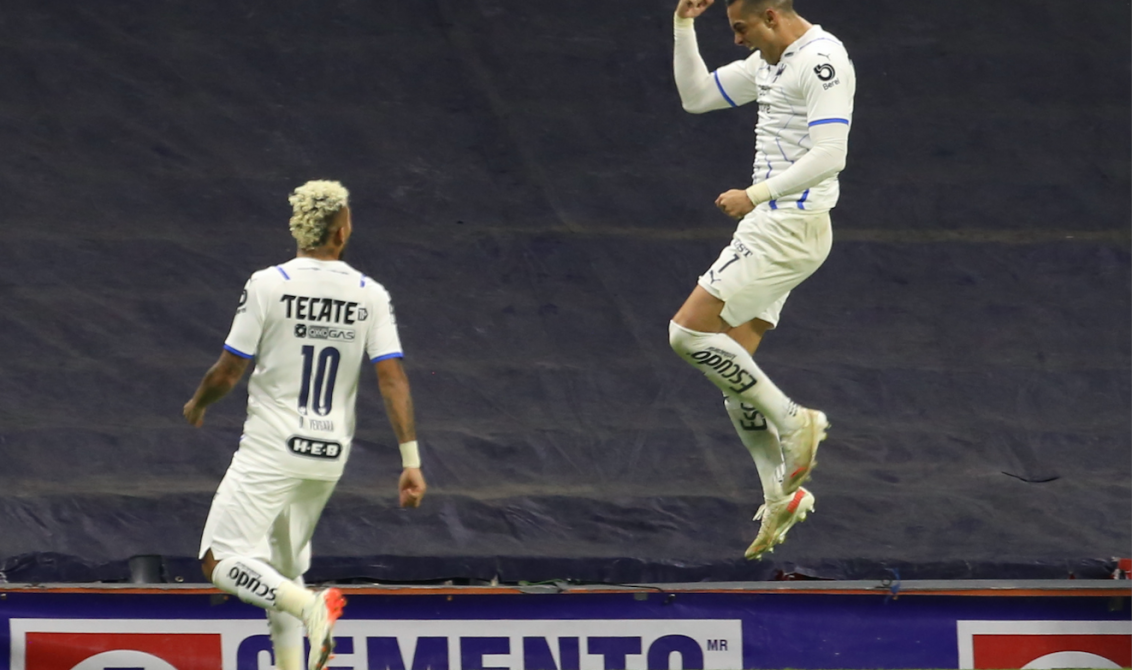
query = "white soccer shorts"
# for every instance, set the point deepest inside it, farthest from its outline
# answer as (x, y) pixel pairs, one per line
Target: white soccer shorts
(772, 252)
(266, 516)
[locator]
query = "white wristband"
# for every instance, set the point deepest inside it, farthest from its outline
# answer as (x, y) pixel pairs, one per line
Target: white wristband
(759, 193)
(410, 455)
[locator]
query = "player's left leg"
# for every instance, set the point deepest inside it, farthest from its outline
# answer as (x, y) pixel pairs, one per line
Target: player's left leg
(286, 638)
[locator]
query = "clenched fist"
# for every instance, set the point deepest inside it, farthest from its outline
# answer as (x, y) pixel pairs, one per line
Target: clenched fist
(690, 9)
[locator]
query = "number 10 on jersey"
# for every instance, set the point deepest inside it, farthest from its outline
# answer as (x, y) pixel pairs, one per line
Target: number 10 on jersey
(323, 388)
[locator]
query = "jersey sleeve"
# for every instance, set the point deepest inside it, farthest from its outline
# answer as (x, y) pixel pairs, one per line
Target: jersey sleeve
(828, 83)
(247, 326)
(382, 341)
(736, 81)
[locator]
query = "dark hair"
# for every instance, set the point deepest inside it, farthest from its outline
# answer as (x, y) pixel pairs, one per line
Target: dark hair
(751, 5)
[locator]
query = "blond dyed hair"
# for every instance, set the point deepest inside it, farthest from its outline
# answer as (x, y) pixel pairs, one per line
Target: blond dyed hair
(313, 207)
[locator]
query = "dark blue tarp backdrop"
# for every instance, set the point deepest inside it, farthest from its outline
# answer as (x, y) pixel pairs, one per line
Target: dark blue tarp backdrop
(528, 188)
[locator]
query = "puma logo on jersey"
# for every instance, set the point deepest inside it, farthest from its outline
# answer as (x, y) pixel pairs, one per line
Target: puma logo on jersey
(322, 309)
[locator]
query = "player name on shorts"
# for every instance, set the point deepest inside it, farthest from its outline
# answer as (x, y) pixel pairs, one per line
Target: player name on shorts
(304, 446)
(323, 309)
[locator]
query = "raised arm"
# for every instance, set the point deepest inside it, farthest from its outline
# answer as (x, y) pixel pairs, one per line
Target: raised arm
(699, 92)
(394, 386)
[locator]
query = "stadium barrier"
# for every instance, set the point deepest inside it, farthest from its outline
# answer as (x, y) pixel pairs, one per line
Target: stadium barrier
(1036, 624)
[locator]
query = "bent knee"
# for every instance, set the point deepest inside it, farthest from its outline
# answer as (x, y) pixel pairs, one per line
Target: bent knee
(208, 565)
(678, 337)
(685, 341)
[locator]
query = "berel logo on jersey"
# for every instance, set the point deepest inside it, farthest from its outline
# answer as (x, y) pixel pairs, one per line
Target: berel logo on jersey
(304, 446)
(1045, 644)
(825, 71)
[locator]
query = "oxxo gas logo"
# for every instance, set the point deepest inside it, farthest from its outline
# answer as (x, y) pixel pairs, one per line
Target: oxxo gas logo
(53, 644)
(1045, 644)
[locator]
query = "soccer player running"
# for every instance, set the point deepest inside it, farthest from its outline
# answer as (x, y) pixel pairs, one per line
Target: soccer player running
(307, 323)
(803, 81)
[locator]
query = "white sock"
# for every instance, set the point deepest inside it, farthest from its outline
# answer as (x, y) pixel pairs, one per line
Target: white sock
(729, 366)
(287, 640)
(760, 437)
(259, 584)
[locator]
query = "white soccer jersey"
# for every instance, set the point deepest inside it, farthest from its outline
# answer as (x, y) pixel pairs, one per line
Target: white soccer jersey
(812, 84)
(309, 324)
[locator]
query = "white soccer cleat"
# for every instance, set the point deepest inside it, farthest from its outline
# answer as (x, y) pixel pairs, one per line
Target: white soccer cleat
(319, 619)
(800, 448)
(778, 518)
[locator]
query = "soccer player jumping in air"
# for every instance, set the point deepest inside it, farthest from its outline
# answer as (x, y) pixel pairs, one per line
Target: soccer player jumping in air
(803, 81)
(307, 323)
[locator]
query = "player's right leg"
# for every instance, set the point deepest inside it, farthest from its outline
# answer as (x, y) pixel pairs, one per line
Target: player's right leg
(779, 511)
(291, 553)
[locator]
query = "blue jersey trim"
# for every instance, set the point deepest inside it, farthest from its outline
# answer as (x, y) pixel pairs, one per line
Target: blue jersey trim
(238, 352)
(805, 194)
(822, 122)
(364, 278)
(774, 204)
(283, 272)
(721, 91)
(396, 354)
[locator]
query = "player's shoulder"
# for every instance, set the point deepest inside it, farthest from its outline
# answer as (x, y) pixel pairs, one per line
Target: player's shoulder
(268, 277)
(369, 285)
(816, 46)
(751, 65)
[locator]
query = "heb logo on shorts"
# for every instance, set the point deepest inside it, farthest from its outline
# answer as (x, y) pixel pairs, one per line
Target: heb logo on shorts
(304, 446)
(113, 644)
(1045, 644)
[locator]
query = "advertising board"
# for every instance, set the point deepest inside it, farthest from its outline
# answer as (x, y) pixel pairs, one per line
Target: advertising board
(642, 630)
